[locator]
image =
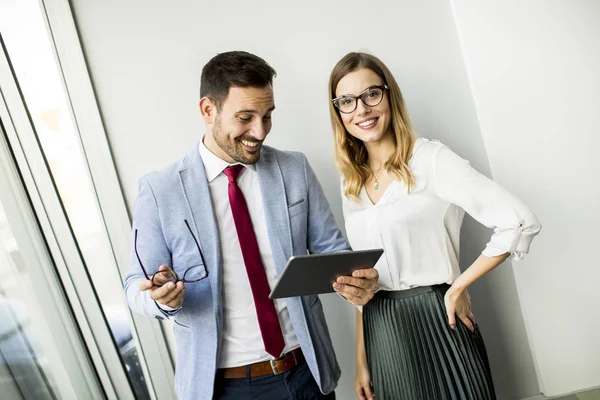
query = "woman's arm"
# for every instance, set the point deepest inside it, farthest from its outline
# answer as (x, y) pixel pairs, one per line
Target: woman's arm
(362, 381)
(514, 224)
(457, 299)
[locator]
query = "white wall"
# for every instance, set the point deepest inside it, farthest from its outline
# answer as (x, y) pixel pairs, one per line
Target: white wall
(145, 59)
(534, 68)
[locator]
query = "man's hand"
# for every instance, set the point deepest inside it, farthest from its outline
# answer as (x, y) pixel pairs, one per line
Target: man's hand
(359, 288)
(169, 294)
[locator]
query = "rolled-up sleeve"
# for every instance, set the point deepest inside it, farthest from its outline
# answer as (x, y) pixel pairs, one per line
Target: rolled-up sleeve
(458, 183)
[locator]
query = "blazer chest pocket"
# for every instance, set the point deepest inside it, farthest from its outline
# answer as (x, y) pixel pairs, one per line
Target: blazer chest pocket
(297, 207)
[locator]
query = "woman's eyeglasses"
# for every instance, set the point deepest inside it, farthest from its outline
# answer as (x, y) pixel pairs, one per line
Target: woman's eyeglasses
(192, 274)
(371, 97)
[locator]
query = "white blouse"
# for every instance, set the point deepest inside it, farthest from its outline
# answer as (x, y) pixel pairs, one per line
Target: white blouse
(420, 231)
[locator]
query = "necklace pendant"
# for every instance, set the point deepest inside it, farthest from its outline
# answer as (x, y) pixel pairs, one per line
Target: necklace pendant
(376, 185)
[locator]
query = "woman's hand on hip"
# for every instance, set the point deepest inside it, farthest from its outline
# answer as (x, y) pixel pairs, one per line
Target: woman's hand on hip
(458, 304)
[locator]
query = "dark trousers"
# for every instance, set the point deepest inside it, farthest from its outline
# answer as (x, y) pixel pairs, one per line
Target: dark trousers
(297, 383)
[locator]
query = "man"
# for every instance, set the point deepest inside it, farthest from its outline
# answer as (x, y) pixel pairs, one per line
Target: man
(219, 226)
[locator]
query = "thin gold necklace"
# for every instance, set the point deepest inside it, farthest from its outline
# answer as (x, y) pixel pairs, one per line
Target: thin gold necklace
(376, 177)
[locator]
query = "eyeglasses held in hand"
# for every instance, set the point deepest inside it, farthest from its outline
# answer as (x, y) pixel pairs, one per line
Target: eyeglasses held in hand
(371, 97)
(192, 274)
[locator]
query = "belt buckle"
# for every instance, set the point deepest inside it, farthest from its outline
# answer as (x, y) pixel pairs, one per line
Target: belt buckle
(274, 367)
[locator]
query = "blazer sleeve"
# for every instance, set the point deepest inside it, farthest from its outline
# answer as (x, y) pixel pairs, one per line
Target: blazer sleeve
(324, 236)
(152, 249)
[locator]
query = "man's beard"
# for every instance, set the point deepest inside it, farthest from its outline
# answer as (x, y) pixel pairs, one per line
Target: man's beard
(233, 148)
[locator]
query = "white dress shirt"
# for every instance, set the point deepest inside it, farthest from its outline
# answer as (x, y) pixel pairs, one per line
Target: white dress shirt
(242, 341)
(420, 231)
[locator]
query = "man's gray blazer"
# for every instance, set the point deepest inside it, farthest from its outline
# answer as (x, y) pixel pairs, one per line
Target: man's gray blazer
(299, 220)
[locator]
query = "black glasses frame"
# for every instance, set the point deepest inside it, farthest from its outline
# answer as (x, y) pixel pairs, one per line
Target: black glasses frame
(361, 96)
(177, 278)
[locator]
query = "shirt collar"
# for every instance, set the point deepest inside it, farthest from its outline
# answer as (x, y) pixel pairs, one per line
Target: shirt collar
(214, 165)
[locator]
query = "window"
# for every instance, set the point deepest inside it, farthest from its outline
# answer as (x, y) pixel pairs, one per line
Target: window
(42, 354)
(50, 118)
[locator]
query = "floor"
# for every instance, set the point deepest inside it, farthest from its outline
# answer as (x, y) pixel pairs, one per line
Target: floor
(593, 394)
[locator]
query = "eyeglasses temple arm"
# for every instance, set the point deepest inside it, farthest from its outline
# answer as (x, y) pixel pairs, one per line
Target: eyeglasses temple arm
(138, 256)
(197, 245)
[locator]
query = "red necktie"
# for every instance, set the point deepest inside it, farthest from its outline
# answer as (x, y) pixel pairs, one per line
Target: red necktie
(268, 321)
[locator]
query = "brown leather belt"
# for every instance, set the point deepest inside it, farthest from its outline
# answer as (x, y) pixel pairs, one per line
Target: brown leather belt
(272, 367)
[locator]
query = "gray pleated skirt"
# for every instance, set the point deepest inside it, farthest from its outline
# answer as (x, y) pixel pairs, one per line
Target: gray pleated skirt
(413, 354)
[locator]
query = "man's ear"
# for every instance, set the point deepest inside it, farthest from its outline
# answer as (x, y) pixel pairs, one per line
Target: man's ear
(208, 109)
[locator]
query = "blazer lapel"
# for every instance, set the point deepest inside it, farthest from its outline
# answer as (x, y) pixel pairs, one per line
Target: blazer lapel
(197, 193)
(272, 189)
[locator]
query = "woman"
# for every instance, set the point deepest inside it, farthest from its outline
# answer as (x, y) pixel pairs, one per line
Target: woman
(417, 339)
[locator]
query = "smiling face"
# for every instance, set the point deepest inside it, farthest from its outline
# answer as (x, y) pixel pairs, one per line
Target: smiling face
(236, 131)
(368, 124)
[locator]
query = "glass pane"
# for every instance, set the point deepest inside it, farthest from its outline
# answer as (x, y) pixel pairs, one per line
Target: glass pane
(25, 369)
(30, 51)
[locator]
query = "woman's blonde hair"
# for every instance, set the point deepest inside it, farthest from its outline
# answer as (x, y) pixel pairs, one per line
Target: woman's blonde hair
(351, 156)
